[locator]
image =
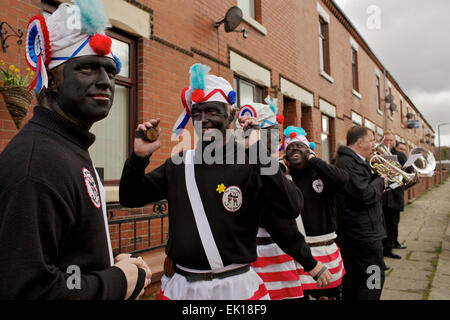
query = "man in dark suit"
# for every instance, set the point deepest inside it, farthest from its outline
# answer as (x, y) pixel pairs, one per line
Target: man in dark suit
(360, 218)
(393, 203)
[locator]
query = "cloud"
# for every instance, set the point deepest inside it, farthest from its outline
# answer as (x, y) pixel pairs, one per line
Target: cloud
(435, 107)
(413, 44)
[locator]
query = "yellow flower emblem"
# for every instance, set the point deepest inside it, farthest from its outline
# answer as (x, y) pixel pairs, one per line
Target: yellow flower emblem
(221, 188)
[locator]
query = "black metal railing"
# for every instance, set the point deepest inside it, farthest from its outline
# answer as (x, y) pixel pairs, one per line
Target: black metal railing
(159, 212)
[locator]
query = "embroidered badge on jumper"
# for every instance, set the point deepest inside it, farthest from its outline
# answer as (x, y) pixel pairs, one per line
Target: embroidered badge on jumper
(91, 187)
(232, 199)
(317, 185)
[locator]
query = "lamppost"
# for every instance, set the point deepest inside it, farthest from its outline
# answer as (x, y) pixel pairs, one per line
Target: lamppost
(440, 157)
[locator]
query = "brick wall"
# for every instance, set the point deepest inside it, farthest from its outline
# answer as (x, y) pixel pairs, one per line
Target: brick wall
(290, 49)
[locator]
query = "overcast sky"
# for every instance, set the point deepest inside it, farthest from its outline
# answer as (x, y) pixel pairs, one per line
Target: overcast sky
(412, 40)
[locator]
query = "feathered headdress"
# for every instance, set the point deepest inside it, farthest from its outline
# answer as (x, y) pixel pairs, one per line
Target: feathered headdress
(203, 88)
(291, 134)
(73, 30)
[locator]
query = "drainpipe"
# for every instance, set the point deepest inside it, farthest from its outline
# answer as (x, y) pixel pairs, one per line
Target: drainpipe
(385, 109)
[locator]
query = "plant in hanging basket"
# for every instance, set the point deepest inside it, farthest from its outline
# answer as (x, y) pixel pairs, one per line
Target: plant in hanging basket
(15, 91)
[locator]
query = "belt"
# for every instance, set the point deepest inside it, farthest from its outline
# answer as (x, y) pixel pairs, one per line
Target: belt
(209, 276)
(261, 241)
(320, 244)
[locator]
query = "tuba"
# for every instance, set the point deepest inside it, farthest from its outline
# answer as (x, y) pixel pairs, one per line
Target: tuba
(381, 163)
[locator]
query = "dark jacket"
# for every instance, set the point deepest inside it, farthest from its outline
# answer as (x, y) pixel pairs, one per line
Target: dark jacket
(360, 215)
(51, 215)
(395, 199)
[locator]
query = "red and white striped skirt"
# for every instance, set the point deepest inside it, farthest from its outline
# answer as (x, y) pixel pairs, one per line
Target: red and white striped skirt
(330, 256)
(245, 286)
(278, 271)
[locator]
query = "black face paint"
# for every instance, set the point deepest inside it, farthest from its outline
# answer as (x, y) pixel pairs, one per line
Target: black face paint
(296, 153)
(86, 91)
(212, 115)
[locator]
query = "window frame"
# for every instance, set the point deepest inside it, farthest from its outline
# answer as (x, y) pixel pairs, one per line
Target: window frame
(324, 46)
(378, 86)
(328, 134)
(252, 5)
(129, 82)
(237, 88)
(355, 78)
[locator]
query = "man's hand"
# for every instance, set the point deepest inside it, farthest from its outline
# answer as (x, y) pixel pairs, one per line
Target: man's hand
(386, 180)
(250, 123)
(311, 154)
(129, 267)
(324, 278)
(144, 148)
(285, 163)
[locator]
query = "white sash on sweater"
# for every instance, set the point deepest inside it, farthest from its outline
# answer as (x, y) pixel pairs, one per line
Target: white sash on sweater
(105, 216)
(203, 227)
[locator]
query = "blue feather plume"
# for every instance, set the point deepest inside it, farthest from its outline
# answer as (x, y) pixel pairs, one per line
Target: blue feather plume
(273, 104)
(198, 75)
(93, 16)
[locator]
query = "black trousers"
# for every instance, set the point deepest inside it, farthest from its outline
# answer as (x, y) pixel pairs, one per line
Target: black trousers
(364, 269)
(391, 219)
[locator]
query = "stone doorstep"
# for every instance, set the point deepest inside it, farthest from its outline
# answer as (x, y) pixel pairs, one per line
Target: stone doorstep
(155, 260)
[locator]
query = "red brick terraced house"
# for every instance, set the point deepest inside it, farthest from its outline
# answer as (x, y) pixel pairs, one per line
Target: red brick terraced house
(305, 53)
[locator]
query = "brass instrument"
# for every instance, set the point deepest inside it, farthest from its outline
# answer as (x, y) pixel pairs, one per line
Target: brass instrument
(425, 165)
(389, 167)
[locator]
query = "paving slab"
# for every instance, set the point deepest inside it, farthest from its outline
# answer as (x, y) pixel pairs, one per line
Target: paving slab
(389, 294)
(439, 294)
(406, 284)
(424, 270)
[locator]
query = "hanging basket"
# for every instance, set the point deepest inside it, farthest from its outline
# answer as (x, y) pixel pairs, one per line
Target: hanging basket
(17, 100)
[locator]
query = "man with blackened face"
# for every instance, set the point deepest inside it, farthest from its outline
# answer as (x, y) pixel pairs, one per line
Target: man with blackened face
(52, 202)
(82, 89)
(215, 204)
(319, 183)
(298, 154)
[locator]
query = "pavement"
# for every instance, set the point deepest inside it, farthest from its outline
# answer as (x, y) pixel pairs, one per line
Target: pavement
(423, 273)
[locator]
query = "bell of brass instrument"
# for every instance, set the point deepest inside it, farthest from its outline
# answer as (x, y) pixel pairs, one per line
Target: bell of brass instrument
(426, 163)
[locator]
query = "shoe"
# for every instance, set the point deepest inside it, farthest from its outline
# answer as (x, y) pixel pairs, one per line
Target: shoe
(386, 267)
(398, 245)
(392, 255)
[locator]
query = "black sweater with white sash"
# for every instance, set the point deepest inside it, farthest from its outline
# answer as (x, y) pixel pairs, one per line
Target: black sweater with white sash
(234, 231)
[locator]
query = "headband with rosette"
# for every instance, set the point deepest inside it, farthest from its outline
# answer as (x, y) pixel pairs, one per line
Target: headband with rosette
(265, 114)
(37, 54)
(73, 30)
(292, 134)
(203, 88)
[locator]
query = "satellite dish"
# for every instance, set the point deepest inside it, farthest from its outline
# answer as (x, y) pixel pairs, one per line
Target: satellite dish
(389, 98)
(232, 19)
(393, 107)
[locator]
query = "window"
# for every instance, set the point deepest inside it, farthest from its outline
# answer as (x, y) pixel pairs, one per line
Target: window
(402, 115)
(325, 138)
(355, 70)
(324, 46)
(247, 92)
(378, 94)
(112, 144)
(248, 7)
